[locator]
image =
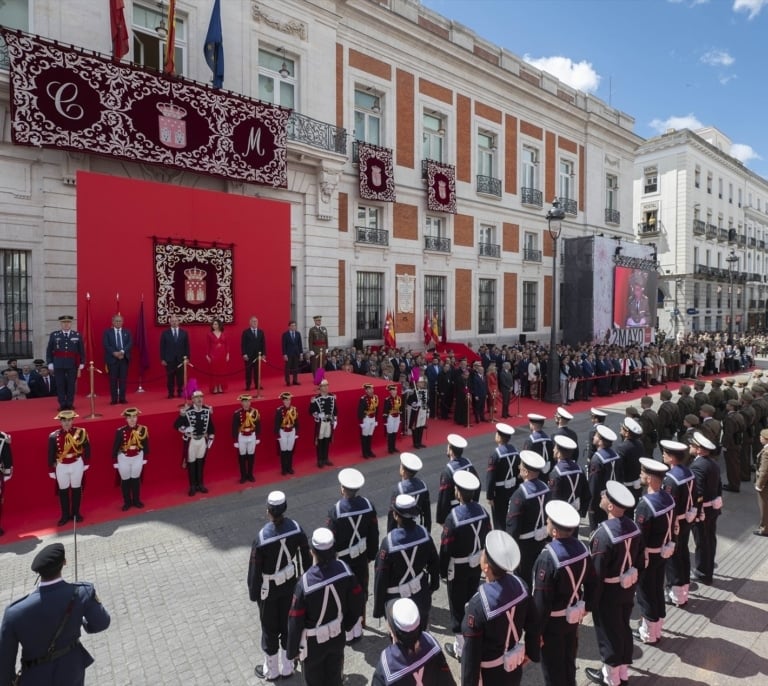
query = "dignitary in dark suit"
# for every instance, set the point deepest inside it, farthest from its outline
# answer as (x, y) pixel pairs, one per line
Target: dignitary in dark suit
(65, 357)
(117, 344)
(253, 344)
(292, 352)
(195, 422)
(47, 624)
(129, 451)
(6, 469)
(45, 385)
(68, 453)
(246, 428)
(174, 347)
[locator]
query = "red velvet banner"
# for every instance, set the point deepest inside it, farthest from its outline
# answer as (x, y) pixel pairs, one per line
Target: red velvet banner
(441, 187)
(62, 97)
(377, 179)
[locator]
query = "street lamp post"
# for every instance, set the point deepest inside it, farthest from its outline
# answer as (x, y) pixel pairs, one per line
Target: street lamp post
(732, 261)
(555, 216)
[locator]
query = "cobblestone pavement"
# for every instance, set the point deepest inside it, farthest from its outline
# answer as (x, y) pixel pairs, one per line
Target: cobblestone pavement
(174, 582)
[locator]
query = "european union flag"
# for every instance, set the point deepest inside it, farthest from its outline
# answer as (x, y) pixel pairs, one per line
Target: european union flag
(214, 46)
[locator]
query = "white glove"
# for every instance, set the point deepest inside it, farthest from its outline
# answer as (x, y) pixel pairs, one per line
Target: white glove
(50, 367)
(237, 445)
(86, 467)
(209, 443)
(52, 475)
(759, 490)
(115, 465)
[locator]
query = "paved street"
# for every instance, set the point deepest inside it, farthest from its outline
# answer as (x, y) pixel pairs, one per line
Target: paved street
(174, 582)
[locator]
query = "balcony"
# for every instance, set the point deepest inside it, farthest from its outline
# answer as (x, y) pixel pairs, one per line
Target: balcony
(489, 249)
(487, 185)
(722, 234)
(570, 206)
(612, 216)
(437, 243)
(531, 255)
(761, 245)
(648, 228)
(699, 227)
(752, 242)
(701, 269)
(711, 231)
(369, 236)
(753, 304)
(530, 196)
(317, 134)
(741, 240)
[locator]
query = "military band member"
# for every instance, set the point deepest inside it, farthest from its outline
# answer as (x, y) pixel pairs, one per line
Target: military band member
(500, 627)
(560, 575)
(655, 515)
(317, 342)
(567, 481)
(6, 468)
(461, 547)
(286, 432)
(502, 475)
(604, 466)
(276, 554)
(706, 472)
(539, 442)
(414, 656)
(324, 411)
(130, 450)
(630, 450)
(327, 602)
(65, 356)
(367, 411)
(195, 422)
(246, 429)
(410, 484)
(446, 499)
(419, 406)
(393, 409)
(618, 557)
(69, 451)
(407, 565)
(355, 527)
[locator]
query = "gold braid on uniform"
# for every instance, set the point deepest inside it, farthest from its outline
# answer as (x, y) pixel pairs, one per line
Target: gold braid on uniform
(250, 419)
(289, 418)
(73, 443)
(396, 404)
(136, 438)
(373, 403)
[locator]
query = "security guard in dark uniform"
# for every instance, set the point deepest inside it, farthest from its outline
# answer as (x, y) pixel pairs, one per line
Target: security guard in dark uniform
(496, 618)
(407, 565)
(561, 574)
(195, 422)
(539, 442)
(706, 472)
(65, 356)
(47, 624)
(446, 499)
(630, 450)
(327, 602)
(604, 466)
(6, 467)
(276, 554)
(410, 484)
(461, 546)
(355, 528)
(414, 656)
(567, 481)
(325, 413)
(502, 475)
(246, 429)
(618, 558)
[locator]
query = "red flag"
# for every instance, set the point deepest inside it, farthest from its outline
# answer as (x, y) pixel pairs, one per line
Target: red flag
(392, 332)
(427, 329)
(388, 331)
(443, 334)
(170, 41)
(141, 340)
(119, 28)
(90, 351)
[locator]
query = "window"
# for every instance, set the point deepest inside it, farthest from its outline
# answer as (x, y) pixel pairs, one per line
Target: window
(487, 241)
(720, 189)
(273, 86)
(709, 183)
(434, 227)
(529, 305)
(486, 317)
(530, 160)
(739, 191)
(15, 15)
(368, 216)
(708, 295)
(566, 179)
(697, 177)
(370, 293)
(148, 48)
(730, 193)
(486, 154)
(368, 226)
(15, 303)
(435, 294)
(695, 294)
(367, 116)
(433, 137)
(651, 180)
(611, 192)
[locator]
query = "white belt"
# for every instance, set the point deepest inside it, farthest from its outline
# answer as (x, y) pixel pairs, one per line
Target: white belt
(473, 560)
(325, 632)
(507, 483)
(539, 534)
(281, 576)
(354, 550)
(651, 551)
(407, 589)
(611, 580)
(633, 484)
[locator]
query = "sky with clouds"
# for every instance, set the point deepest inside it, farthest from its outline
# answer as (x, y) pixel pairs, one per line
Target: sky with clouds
(667, 63)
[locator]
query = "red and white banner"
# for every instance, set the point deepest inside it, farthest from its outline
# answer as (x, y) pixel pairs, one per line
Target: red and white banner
(377, 178)
(441, 187)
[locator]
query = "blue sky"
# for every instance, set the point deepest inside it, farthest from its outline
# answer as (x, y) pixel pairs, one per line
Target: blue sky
(667, 63)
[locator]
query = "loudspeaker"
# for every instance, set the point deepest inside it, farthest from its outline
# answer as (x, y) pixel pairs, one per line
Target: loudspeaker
(523, 339)
(358, 343)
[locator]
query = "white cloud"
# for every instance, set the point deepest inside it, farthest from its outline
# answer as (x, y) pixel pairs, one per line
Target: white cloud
(725, 79)
(690, 3)
(578, 75)
(717, 58)
(751, 6)
(687, 122)
(744, 153)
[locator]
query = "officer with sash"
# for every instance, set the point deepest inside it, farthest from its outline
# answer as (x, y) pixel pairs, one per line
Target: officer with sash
(630, 450)
(246, 428)
(286, 428)
(195, 422)
(324, 411)
(6, 467)
(706, 472)
(604, 466)
(407, 565)
(446, 498)
(502, 475)
(276, 554)
(130, 451)
(539, 442)
(393, 409)
(367, 411)
(410, 484)
(567, 480)
(65, 356)
(68, 453)
(317, 342)
(355, 527)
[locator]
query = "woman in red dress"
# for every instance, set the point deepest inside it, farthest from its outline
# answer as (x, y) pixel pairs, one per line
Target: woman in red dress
(217, 356)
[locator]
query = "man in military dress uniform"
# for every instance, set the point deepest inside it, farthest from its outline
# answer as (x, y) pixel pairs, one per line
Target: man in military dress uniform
(685, 403)
(700, 397)
(323, 410)
(355, 527)
(502, 475)
(65, 356)
(246, 429)
(669, 416)
(195, 423)
(734, 431)
(596, 417)
(630, 450)
(761, 485)
(286, 429)
(567, 482)
(604, 466)
(317, 342)
(461, 547)
(539, 442)
(706, 472)
(278, 550)
(6, 468)
(407, 565)
(649, 421)
(562, 418)
(393, 408)
(68, 453)
(411, 484)
(327, 602)
(446, 498)
(716, 398)
(47, 623)
(367, 410)
(500, 627)
(419, 412)
(130, 450)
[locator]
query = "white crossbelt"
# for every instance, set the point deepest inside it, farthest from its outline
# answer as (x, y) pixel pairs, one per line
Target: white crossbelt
(575, 585)
(509, 479)
(511, 631)
(283, 573)
(475, 554)
(540, 523)
(334, 626)
(357, 545)
(625, 564)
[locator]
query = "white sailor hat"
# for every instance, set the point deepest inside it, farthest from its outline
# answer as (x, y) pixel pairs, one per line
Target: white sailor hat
(276, 498)
(562, 514)
(607, 433)
(457, 441)
(565, 442)
(563, 413)
(619, 494)
(673, 446)
(351, 479)
(405, 506)
(404, 615)
(651, 466)
(411, 462)
(597, 413)
(504, 429)
(322, 539)
(633, 426)
(502, 549)
(532, 460)
(701, 440)
(465, 480)
(536, 418)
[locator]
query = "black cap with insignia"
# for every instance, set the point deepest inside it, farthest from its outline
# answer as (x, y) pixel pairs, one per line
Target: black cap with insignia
(49, 561)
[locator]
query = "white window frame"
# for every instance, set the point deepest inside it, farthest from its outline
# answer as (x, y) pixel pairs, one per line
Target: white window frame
(486, 153)
(567, 173)
(278, 81)
(529, 171)
(611, 192)
(366, 102)
(433, 128)
(149, 35)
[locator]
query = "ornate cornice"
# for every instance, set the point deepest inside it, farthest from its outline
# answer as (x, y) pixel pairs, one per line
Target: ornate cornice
(292, 27)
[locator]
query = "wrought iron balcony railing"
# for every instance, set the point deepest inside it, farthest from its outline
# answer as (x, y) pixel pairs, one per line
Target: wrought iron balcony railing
(570, 206)
(531, 255)
(531, 196)
(711, 231)
(489, 185)
(371, 236)
(722, 234)
(489, 250)
(318, 134)
(612, 216)
(437, 243)
(648, 228)
(699, 227)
